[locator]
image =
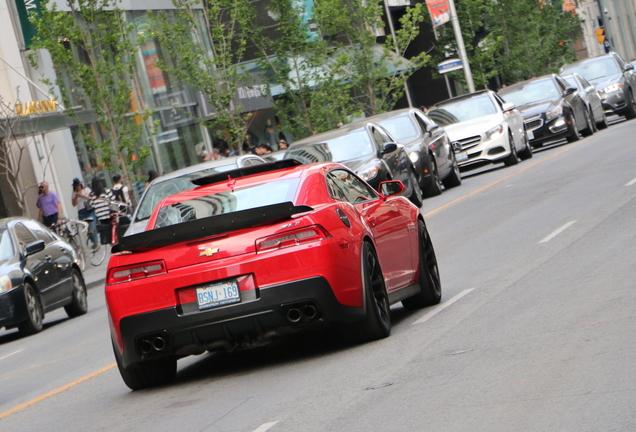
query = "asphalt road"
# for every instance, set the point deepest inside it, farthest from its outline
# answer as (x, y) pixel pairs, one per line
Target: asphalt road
(535, 331)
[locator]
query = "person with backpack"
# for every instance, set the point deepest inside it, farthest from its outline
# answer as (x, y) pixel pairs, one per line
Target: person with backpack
(120, 192)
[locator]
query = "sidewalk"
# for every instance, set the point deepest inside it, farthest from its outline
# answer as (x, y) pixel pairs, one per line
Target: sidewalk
(94, 276)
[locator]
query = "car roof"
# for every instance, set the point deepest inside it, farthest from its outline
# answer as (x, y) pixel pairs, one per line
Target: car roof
(5, 222)
(329, 135)
(389, 114)
(522, 83)
(590, 60)
(466, 96)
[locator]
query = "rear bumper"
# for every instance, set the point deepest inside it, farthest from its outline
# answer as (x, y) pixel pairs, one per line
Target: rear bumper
(275, 310)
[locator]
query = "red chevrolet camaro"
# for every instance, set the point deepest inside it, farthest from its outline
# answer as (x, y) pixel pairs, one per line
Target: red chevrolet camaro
(256, 253)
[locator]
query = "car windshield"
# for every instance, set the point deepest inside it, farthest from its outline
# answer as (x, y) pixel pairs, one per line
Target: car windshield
(593, 70)
(230, 201)
(347, 147)
(158, 191)
(6, 246)
(531, 92)
(401, 128)
(462, 110)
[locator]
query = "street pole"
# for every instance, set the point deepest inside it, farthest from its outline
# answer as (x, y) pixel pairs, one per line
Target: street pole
(390, 20)
(460, 46)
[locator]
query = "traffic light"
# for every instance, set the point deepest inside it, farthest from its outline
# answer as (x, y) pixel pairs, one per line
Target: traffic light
(600, 35)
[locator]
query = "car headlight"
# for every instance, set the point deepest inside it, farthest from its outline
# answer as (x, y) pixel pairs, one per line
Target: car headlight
(414, 156)
(554, 113)
(5, 284)
(495, 132)
(369, 173)
(613, 88)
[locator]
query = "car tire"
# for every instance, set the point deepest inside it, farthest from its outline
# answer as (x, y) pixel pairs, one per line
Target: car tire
(589, 120)
(434, 187)
(416, 195)
(631, 107)
(603, 123)
(454, 178)
(526, 153)
(377, 321)
(75, 243)
(146, 374)
(33, 324)
(574, 131)
(79, 301)
(512, 158)
(431, 288)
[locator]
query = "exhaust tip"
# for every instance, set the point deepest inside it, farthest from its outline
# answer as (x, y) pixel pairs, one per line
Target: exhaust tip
(294, 315)
(309, 312)
(159, 343)
(145, 346)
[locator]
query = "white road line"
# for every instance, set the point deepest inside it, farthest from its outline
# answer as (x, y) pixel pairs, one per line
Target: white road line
(631, 182)
(265, 427)
(9, 355)
(443, 306)
(557, 232)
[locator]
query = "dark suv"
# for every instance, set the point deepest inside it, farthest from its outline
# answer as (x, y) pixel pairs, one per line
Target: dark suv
(614, 79)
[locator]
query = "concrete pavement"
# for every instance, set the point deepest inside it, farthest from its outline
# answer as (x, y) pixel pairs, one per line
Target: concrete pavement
(94, 276)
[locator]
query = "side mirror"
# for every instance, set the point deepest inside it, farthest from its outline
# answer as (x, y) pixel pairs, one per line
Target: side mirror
(629, 66)
(34, 247)
(507, 106)
(431, 128)
(590, 89)
(569, 90)
(390, 188)
(389, 148)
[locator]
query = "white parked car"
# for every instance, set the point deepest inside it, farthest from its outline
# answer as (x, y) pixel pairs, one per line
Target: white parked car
(488, 129)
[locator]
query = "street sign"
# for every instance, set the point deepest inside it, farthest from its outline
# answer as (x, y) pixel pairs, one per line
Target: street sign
(449, 65)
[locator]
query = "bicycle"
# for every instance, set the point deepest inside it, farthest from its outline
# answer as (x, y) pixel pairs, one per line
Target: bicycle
(70, 230)
(96, 253)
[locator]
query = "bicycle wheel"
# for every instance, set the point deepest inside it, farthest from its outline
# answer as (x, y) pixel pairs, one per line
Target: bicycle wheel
(77, 245)
(96, 252)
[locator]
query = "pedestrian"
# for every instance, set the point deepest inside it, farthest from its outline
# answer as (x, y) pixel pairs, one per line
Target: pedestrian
(152, 174)
(120, 192)
(50, 208)
(216, 154)
(100, 200)
(282, 145)
(205, 156)
(82, 200)
(262, 149)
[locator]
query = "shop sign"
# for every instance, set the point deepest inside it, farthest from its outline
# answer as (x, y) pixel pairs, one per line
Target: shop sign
(25, 7)
(36, 107)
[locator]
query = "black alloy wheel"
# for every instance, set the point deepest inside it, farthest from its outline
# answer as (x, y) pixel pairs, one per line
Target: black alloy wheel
(512, 158)
(416, 194)
(431, 287)
(33, 324)
(79, 301)
(589, 124)
(574, 130)
(454, 178)
(434, 187)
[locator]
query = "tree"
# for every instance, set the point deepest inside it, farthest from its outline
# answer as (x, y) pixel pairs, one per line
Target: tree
(207, 42)
(90, 45)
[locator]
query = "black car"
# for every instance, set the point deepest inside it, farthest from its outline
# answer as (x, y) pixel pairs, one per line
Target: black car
(551, 109)
(39, 272)
(614, 79)
(427, 145)
(367, 149)
(590, 96)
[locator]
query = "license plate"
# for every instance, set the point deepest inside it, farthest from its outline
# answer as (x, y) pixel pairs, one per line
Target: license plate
(461, 157)
(218, 294)
(530, 135)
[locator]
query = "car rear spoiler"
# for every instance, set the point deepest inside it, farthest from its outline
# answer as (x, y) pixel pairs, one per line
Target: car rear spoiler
(245, 171)
(209, 226)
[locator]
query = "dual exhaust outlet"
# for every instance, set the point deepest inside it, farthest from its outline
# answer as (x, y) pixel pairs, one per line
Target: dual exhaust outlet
(153, 344)
(306, 312)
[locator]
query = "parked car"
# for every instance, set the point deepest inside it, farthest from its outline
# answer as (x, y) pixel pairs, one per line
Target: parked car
(276, 249)
(614, 79)
(180, 180)
(39, 272)
(590, 96)
(488, 129)
(552, 109)
(427, 145)
(365, 147)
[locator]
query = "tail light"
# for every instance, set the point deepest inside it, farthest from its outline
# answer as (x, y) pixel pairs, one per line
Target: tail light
(136, 271)
(291, 238)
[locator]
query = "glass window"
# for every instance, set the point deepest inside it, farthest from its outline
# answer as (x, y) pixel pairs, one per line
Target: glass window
(229, 201)
(40, 232)
(345, 186)
(464, 109)
(401, 127)
(6, 245)
(534, 91)
(592, 70)
(24, 236)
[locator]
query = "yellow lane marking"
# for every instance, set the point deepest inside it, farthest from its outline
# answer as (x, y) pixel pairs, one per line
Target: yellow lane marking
(439, 209)
(54, 392)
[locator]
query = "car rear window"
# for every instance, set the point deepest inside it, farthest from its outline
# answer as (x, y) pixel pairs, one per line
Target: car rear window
(535, 91)
(595, 69)
(462, 110)
(401, 128)
(228, 201)
(353, 145)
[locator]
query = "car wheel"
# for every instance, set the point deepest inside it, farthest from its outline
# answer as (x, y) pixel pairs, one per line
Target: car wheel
(589, 127)
(526, 153)
(33, 324)
(603, 123)
(147, 374)
(454, 178)
(79, 302)
(631, 107)
(512, 158)
(377, 321)
(75, 243)
(434, 187)
(431, 287)
(416, 195)
(574, 130)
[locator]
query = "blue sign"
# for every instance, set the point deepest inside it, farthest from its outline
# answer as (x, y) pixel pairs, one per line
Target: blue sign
(449, 65)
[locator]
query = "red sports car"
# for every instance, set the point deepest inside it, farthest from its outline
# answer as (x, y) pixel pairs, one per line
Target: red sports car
(259, 252)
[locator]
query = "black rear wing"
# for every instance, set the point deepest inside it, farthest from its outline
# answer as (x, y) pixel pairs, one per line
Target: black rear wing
(209, 226)
(245, 171)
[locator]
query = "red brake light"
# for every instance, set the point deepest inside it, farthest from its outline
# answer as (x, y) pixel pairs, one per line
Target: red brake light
(291, 238)
(136, 271)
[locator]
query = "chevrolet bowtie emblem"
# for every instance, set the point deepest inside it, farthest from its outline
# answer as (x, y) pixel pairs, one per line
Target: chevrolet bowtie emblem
(208, 252)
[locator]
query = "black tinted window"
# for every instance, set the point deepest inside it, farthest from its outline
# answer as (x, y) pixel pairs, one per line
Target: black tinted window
(345, 186)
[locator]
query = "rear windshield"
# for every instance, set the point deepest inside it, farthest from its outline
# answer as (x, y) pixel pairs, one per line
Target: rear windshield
(225, 202)
(592, 70)
(535, 91)
(462, 110)
(401, 128)
(351, 146)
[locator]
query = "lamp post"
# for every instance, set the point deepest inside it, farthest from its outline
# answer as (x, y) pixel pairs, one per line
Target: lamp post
(460, 46)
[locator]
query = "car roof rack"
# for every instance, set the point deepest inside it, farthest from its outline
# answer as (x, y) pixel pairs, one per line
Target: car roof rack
(245, 171)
